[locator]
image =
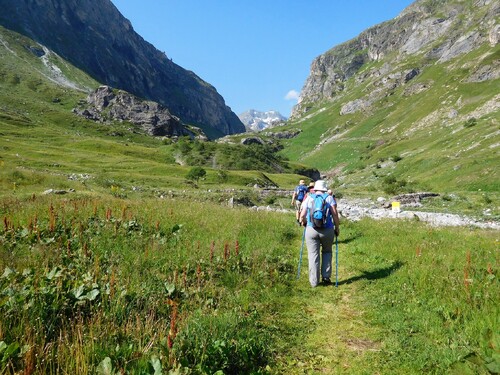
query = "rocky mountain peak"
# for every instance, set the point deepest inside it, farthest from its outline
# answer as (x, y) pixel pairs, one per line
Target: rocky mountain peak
(438, 31)
(106, 104)
(95, 37)
(257, 120)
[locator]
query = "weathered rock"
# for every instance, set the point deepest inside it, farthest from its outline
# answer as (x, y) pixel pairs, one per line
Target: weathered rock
(410, 199)
(287, 134)
(57, 191)
(252, 141)
(108, 104)
(354, 106)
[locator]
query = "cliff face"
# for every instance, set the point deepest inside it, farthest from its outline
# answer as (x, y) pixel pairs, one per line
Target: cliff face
(95, 37)
(435, 31)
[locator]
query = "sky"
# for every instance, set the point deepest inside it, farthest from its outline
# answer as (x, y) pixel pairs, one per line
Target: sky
(256, 53)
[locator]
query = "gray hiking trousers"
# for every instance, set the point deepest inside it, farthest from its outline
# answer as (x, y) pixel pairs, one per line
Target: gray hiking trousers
(316, 239)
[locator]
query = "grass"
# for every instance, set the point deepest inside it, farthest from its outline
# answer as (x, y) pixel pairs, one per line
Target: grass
(129, 284)
(405, 304)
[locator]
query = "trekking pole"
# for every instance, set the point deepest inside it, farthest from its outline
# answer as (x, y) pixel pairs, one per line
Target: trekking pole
(301, 250)
(336, 261)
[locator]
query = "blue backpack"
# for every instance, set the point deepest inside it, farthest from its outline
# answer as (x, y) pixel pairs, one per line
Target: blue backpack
(319, 211)
(301, 192)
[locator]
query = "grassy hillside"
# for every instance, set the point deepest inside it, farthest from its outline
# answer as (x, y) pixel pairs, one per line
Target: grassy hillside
(44, 145)
(440, 139)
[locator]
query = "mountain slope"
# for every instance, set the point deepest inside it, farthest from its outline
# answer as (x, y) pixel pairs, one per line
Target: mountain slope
(95, 37)
(45, 145)
(412, 103)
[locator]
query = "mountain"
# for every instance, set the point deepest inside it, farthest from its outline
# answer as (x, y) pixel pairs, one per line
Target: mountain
(95, 37)
(412, 103)
(257, 120)
(391, 54)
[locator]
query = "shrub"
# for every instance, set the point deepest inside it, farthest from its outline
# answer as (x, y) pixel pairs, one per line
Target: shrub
(391, 185)
(222, 176)
(470, 122)
(196, 173)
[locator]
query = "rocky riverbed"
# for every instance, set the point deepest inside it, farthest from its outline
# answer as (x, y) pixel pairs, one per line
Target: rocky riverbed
(359, 208)
(356, 209)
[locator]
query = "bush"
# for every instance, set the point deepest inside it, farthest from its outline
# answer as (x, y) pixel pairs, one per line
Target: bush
(391, 185)
(222, 176)
(196, 173)
(470, 122)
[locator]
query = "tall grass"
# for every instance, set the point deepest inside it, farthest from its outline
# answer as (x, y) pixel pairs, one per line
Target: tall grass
(86, 280)
(111, 285)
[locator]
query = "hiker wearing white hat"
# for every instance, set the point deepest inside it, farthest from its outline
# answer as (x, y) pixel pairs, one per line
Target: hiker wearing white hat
(319, 214)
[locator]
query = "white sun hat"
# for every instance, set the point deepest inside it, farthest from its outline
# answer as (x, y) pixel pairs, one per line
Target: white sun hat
(320, 185)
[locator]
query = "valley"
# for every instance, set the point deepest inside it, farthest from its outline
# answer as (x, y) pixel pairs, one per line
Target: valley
(150, 237)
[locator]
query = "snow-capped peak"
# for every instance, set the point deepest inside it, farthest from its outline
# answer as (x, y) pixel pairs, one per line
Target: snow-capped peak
(258, 120)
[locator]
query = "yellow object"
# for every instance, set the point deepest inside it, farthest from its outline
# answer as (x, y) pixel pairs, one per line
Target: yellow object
(396, 207)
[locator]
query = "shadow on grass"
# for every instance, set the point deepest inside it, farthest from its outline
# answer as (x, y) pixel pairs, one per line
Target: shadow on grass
(374, 275)
(349, 239)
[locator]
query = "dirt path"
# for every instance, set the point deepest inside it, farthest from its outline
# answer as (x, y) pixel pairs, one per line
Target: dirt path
(339, 334)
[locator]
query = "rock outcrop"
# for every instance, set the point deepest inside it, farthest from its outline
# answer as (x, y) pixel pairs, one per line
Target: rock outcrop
(95, 37)
(107, 104)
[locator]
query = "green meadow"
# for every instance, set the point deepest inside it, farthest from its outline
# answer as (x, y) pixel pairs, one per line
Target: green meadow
(110, 285)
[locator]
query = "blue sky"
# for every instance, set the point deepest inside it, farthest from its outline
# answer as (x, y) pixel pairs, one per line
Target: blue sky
(256, 53)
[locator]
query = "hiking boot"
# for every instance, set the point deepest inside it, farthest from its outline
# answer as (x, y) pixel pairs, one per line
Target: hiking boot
(326, 281)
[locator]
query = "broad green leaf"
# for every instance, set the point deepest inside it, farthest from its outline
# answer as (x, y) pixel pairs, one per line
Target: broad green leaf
(155, 362)
(170, 287)
(10, 350)
(55, 272)
(105, 367)
(79, 291)
(92, 294)
(7, 272)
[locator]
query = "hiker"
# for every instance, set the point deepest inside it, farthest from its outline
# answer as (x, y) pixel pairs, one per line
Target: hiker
(298, 196)
(319, 214)
(310, 189)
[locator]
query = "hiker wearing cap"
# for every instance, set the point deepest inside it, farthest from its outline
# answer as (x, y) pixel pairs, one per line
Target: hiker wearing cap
(319, 214)
(298, 196)
(310, 189)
